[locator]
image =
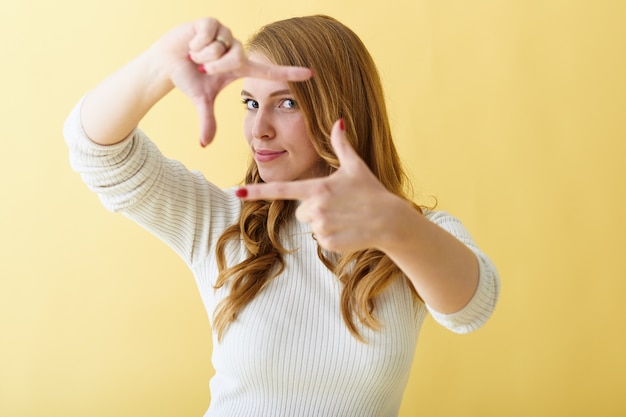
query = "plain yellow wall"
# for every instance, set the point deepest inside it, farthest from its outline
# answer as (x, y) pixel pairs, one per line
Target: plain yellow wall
(511, 113)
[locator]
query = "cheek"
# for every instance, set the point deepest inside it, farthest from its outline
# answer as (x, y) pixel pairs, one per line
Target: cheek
(304, 140)
(306, 145)
(298, 127)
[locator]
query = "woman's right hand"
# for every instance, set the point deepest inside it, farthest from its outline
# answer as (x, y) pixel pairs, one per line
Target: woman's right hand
(202, 58)
(189, 57)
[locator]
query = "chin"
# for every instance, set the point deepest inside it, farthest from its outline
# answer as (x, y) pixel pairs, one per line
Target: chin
(267, 177)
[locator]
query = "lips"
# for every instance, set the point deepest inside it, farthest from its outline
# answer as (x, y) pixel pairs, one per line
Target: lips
(264, 155)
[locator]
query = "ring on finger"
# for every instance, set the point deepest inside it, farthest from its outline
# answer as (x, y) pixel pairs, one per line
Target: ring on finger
(225, 43)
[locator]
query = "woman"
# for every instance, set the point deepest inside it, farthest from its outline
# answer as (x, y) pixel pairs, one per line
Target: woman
(318, 273)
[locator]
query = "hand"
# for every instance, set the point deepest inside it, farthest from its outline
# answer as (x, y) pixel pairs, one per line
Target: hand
(201, 66)
(349, 210)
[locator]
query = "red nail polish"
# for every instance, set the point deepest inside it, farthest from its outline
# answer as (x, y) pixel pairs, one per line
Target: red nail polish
(342, 124)
(312, 73)
(241, 192)
(201, 69)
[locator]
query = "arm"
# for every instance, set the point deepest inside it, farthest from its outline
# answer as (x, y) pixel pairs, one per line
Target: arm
(125, 168)
(443, 270)
(351, 210)
(114, 107)
(188, 57)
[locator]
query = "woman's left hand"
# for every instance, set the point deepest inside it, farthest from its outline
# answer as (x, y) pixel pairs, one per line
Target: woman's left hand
(348, 210)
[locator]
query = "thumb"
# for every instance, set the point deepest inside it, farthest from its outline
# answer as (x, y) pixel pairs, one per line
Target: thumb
(345, 153)
(208, 124)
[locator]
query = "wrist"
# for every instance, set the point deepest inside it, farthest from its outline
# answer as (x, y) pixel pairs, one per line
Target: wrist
(156, 73)
(399, 225)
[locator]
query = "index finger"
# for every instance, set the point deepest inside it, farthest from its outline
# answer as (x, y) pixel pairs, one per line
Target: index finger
(279, 190)
(238, 65)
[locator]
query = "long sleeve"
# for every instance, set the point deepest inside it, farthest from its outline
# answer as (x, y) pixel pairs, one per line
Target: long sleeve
(132, 177)
(481, 306)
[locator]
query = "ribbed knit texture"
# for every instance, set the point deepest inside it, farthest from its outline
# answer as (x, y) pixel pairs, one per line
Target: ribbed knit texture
(289, 353)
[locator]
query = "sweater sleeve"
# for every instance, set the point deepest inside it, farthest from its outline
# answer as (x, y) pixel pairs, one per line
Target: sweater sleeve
(132, 177)
(481, 306)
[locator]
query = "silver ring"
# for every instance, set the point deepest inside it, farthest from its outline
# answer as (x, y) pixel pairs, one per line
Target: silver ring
(223, 41)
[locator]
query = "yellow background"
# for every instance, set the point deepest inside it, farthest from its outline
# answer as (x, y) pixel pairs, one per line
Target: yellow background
(511, 113)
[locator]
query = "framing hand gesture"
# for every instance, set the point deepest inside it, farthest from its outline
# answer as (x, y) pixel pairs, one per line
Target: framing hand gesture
(214, 60)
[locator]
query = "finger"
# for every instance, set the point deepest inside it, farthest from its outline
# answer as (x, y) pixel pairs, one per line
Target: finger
(208, 125)
(215, 48)
(280, 190)
(205, 32)
(346, 154)
(233, 61)
(224, 37)
(236, 62)
(277, 72)
(302, 214)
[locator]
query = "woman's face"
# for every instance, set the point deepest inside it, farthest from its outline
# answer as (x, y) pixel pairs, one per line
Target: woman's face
(276, 132)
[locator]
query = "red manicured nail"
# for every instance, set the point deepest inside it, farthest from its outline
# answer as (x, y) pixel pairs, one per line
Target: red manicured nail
(201, 69)
(241, 192)
(312, 73)
(342, 124)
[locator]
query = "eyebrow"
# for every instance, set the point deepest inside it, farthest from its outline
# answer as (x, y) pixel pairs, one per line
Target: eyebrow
(285, 92)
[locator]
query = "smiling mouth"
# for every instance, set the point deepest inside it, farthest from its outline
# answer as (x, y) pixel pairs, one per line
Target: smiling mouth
(267, 156)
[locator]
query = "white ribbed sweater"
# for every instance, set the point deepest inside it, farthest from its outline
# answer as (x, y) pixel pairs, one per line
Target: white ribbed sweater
(289, 352)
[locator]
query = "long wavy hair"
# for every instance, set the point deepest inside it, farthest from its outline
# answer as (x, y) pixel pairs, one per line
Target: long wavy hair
(346, 84)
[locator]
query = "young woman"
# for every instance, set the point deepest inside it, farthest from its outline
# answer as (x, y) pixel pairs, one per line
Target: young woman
(316, 274)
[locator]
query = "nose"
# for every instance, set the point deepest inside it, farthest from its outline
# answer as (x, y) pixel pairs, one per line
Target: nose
(262, 126)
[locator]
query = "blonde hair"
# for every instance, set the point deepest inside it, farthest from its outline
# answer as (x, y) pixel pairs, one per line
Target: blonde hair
(346, 84)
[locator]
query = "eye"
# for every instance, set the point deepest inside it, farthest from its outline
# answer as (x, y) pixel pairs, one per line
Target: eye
(289, 103)
(250, 104)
